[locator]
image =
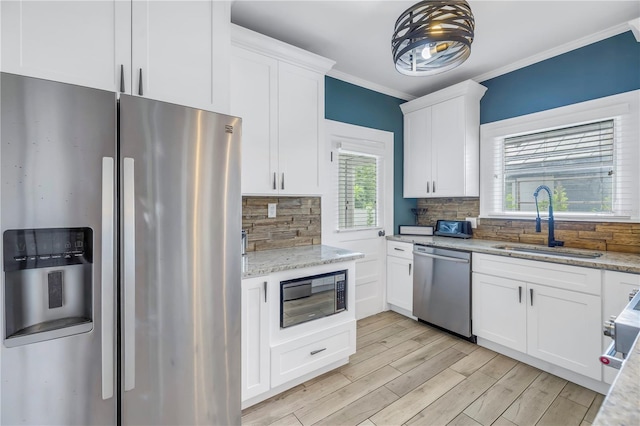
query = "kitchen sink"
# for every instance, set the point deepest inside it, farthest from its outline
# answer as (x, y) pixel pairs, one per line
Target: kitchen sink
(551, 251)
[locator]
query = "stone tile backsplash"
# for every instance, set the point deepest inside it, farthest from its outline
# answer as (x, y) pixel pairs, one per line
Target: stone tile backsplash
(607, 236)
(297, 222)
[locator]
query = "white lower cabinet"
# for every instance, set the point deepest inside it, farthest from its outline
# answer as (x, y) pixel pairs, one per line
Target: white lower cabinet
(275, 359)
(500, 311)
(255, 337)
(400, 275)
(537, 316)
(563, 328)
(298, 357)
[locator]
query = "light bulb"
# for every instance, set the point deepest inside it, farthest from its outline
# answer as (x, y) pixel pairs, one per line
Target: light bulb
(426, 52)
(431, 49)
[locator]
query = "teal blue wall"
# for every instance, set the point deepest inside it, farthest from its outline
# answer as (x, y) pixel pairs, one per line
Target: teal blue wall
(353, 104)
(605, 68)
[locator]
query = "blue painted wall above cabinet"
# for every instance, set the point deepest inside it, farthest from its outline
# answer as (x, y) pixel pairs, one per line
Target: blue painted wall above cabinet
(600, 69)
(356, 105)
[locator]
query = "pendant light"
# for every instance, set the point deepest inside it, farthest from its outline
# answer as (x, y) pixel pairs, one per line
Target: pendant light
(432, 36)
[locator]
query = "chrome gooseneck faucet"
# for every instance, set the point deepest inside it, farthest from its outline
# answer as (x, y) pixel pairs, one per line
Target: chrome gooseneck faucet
(552, 240)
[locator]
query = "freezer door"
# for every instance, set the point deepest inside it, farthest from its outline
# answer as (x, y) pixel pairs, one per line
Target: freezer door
(58, 144)
(181, 264)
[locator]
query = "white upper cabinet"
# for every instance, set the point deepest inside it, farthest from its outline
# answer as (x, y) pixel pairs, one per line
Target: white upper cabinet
(441, 143)
(254, 88)
(181, 48)
(278, 90)
(182, 51)
(77, 42)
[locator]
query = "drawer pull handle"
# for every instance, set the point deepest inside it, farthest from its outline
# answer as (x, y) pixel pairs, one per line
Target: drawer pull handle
(399, 249)
(317, 351)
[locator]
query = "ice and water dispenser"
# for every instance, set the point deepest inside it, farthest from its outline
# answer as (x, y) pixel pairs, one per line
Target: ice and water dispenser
(48, 283)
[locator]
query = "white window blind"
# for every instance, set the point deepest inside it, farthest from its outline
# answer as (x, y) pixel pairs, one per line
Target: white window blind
(357, 191)
(575, 162)
(587, 153)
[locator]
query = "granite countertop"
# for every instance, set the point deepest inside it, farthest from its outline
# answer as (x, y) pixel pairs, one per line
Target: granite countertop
(613, 261)
(622, 404)
(259, 263)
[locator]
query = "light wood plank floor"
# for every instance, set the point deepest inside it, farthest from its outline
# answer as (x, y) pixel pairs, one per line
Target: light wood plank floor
(407, 373)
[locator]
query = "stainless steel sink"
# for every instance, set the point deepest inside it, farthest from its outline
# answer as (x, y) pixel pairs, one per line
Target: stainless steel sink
(551, 251)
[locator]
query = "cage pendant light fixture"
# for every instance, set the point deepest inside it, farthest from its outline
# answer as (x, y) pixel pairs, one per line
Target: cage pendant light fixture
(433, 36)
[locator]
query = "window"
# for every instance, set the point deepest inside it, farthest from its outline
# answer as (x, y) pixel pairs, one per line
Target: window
(575, 162)
(587, 153)
(357, 191)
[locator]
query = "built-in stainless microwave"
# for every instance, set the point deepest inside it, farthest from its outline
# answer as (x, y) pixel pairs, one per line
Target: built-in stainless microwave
(309, 298)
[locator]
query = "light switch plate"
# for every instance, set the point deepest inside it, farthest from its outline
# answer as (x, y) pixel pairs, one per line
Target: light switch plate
(271, 210)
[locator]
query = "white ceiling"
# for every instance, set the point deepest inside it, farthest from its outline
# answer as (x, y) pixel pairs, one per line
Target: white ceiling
(508, 35)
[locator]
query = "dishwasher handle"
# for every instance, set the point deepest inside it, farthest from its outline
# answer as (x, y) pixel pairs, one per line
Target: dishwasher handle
(439, 257)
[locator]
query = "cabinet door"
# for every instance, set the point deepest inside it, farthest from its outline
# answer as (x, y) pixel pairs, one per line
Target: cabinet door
(300, 117)
(448, 148)
(182, 49)
(564, 328)
(400, 282)
(417, 153)
(615, 291)
(255, 332)
(254, 85)
(499, 311)
(77, 42)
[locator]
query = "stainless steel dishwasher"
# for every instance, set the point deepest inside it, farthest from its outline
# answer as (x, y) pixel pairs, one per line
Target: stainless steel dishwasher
(442, 288)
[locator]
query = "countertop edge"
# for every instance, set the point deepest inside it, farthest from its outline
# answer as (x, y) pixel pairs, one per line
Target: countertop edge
(261, 263)
(610, 261)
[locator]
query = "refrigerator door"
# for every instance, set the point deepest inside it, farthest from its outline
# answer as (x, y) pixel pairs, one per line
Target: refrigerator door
(181, 264)
(58, 144)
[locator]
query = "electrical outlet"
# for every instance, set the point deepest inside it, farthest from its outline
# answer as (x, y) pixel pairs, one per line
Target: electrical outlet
(271, 210)
(473, 221)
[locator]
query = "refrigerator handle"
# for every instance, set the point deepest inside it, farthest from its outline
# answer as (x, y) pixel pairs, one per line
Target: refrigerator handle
(129, 268)
(107, 278)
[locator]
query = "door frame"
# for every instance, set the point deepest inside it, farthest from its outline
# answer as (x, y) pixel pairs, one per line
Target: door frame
(384, 140)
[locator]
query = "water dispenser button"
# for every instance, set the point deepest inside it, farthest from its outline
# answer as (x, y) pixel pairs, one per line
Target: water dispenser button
(55, 289)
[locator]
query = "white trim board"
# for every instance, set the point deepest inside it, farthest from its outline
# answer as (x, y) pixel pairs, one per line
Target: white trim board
(556, 51)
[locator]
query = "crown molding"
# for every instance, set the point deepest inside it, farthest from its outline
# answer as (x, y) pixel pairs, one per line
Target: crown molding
(558, 50)
(260, 43)
(469, 88)
(634, 25)
(369, 85)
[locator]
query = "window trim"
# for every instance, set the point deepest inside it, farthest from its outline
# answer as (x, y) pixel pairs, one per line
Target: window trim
(622, 108)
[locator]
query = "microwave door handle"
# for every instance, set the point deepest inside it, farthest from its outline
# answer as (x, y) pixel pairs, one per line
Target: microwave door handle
(107, 277)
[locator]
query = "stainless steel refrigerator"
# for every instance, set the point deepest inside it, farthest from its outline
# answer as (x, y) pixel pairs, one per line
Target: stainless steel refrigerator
(121, 224)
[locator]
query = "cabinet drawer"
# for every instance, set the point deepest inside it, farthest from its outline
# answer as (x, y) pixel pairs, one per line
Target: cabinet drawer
(400, 249)
(566, 277)
(296, 358)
